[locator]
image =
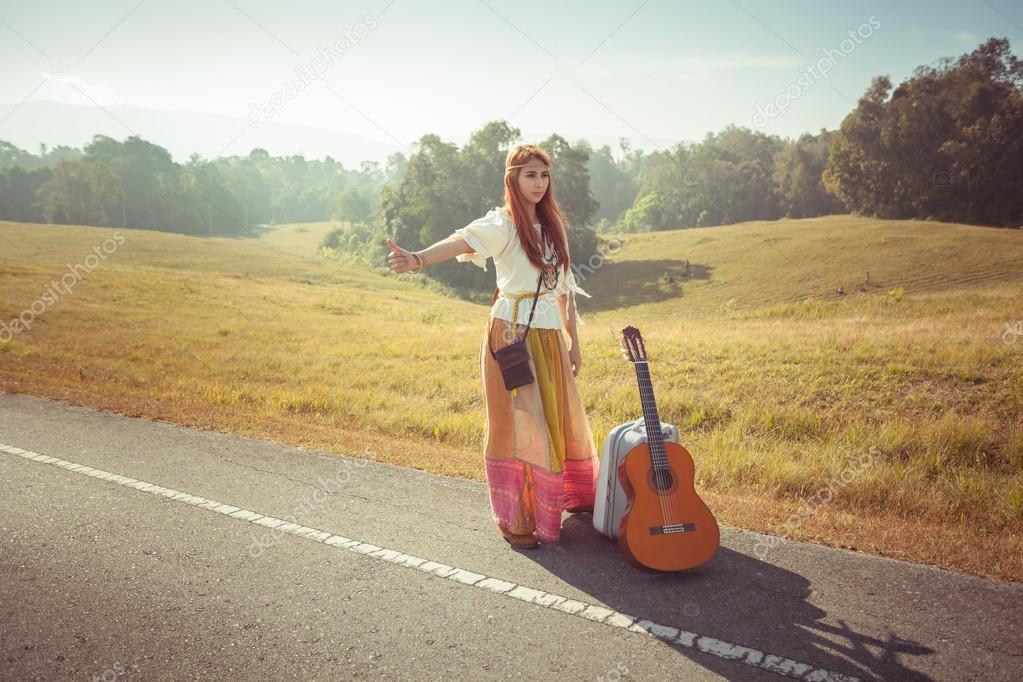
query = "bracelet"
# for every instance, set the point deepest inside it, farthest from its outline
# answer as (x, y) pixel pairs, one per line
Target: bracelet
(420, 262)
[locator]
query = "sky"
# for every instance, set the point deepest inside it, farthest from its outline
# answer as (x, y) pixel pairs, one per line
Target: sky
(360, 80)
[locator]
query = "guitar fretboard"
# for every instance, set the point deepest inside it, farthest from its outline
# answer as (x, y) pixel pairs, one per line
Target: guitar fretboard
(654, 437)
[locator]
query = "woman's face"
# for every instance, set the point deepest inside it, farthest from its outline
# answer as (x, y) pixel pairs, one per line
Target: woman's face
(534, 179)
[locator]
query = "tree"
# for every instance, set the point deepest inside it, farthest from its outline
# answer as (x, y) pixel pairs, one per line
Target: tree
(212, 209)
(611, 184)
(726, 178)
(948, 144)
(18, 189)
(353, 205)
(12, 156)
(149, 178)
(797, 174)
(77, 192)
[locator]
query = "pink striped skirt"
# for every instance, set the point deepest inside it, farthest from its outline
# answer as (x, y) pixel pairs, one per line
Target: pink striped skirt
(538, 450)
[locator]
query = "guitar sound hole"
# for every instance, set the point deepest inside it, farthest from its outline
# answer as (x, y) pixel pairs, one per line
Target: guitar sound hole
(661, 480)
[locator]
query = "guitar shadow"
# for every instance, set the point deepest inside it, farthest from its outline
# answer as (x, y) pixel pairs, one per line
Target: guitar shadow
(733, 597)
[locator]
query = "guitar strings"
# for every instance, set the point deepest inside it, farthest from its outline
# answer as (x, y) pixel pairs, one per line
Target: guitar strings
(669, 510)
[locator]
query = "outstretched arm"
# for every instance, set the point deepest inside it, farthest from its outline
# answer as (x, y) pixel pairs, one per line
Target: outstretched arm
(401, 260)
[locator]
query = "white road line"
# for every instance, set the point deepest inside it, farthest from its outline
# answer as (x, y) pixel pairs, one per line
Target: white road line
(672, 635)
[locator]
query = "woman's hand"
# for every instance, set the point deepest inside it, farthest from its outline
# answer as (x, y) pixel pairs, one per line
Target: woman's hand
(575, 356)
(400, 260)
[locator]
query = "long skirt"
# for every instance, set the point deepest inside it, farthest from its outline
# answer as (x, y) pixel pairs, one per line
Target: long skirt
(538, 450)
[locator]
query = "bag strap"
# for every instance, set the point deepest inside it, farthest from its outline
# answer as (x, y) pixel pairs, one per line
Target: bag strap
(536, 297)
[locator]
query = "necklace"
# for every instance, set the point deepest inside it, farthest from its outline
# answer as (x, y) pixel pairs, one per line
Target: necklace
(551, 272)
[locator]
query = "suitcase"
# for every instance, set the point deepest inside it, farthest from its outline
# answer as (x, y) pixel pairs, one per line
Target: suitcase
(609, 505)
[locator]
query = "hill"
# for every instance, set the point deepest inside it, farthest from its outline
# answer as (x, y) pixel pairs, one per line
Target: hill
(782, 389)
(756, 264)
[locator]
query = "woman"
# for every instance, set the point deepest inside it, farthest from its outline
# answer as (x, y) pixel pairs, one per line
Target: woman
(538, 450)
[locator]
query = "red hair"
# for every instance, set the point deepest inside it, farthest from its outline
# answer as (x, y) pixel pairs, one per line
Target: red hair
(547, 210)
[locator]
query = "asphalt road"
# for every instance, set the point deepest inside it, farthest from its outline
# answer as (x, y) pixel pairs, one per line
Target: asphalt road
(103, 577)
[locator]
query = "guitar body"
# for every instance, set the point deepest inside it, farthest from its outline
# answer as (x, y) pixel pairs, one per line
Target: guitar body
(666, 526)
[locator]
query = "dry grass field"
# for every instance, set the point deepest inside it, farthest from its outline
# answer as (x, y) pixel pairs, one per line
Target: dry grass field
(888, 419)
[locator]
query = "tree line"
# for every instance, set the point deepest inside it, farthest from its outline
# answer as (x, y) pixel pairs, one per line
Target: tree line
(136, 183)
(944, 145)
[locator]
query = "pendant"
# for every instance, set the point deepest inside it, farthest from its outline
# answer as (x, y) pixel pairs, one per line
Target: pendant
(550, 276)
(550, 268)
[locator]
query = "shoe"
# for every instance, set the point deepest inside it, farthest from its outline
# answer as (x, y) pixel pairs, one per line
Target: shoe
(582, 508)
(527, 541)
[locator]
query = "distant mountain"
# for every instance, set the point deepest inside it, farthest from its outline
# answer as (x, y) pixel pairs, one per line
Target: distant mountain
(182, 133)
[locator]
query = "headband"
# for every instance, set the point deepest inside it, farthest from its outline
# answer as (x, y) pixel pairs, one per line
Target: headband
(520, 165)
(528, 150)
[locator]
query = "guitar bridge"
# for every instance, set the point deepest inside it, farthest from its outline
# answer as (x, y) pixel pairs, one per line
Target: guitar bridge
(673, 528)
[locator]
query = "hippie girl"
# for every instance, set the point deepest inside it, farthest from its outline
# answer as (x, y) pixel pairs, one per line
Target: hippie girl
(538, 450)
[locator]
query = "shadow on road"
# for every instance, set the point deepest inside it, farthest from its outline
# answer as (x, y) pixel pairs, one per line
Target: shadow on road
(735, 598)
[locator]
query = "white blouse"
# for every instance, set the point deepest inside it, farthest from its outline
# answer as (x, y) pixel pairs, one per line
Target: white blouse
(494, 236)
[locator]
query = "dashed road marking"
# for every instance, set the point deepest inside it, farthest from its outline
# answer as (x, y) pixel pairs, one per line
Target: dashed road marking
(594, 612)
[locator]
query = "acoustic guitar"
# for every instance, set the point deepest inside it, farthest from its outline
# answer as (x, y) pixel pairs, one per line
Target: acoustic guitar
(666, 526)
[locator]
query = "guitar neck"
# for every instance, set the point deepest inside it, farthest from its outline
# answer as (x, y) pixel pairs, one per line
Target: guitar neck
(654, 437)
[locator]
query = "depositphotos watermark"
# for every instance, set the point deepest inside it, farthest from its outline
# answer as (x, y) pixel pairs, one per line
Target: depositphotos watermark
(1012, 332)
(114, 672)
(809, 75)
(58, 287)
(619, 672)
(307, 73)
(810, 505)
(307, 505)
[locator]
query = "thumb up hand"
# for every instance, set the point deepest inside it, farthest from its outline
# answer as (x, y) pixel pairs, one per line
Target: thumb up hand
(400, 260)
